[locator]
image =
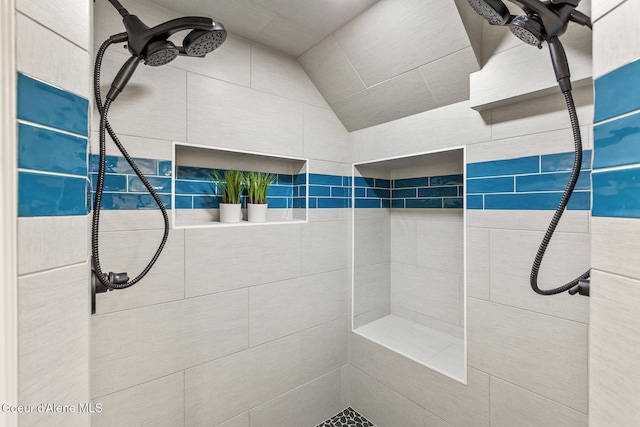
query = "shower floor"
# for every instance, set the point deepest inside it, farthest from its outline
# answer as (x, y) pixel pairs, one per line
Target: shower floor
(438, 350)
(347, 418)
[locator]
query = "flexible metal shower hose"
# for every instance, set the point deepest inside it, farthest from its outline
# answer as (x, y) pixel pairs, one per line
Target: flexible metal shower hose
(575, 174)
(105, 126)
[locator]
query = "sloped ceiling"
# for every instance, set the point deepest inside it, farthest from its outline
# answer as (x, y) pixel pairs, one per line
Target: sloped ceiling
(373, 61)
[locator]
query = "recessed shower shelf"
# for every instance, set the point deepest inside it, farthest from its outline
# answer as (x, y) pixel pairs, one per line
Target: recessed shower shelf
(195, 201)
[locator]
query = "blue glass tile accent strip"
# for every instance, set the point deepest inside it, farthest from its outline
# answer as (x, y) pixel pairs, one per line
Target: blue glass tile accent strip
(564, 161)
(490, 185)
(439, 181)
(160, 185)
(194, 187)
(116, 183)
(411, 182)
(617, 143)
(438, 192)
(522, 165)
(616, 92)
(323, 179)
(130, 201)
(51, 195)
(46, 150)
(525, 190)
(435, 203)
(580, 200)
(117, 164)
(41, 103)
(616, 193)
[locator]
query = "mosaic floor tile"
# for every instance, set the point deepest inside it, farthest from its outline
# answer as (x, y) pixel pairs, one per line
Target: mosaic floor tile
(347, 418)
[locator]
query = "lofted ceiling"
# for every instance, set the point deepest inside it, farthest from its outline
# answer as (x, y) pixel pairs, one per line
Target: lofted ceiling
(372, 60)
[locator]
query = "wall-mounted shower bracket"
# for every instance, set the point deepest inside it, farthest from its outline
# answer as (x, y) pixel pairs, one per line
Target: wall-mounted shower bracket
(582, 288)
(98, 288)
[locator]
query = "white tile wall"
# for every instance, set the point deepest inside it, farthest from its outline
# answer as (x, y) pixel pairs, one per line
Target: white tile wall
(443, 76)
(615, 243)
(131, 251)
(282, 75)
(282, 308)
(152, 105)
(325, 137)
(616, 33)
(567, 257)
(165, 338)
(478, 265)
(543, 354)
(512, 405)
(226, 115)
(38, 235)
(329, 68)
(372, 288)
(373, 53)
(69, 18)
(324, 246)
(136, 146)
(42, 59)
(159, 403)
(307, 405)
(614, 341)
(53, 336)
(223, 266)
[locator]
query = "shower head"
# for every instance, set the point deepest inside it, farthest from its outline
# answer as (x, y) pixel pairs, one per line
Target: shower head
(152, 45)
(527, 29)
(493, 11)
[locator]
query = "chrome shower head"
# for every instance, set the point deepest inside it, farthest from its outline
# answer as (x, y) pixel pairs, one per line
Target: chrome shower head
(493, 11)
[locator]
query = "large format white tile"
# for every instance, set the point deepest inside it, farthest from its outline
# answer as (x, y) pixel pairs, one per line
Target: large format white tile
(152, 105)
(229, 116)
(371, 106)
(615, 244)
(378, 55)
(133, 346)
(54, 344)
(428, 131)
(536, 144)
(230, 258)
(155, 403)
(546, 355)
(136, 146)
(431, 420)
(602, 7)
(512, 405)
(52, 59)
(448, 77)
(282, 75)
(477, 273)
(288, 36)
(330, 70)
(567, 257)
(305, 406)
(37, 236)
(282, 308)
(459, 404)
(241, 420)
(614, 44)
(372, 288)
(435, 293)
(371, 237)
(131, 251)
(222, 389)
(440, 245)
(69, 18)
(404, 240)
(541, 114)
(614, 382)
(572, 221)
(325, 246)
(325, 137)
(373, 400)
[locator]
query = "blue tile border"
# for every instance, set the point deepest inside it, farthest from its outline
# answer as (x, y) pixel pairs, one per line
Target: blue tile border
(51, 195)
(532, 183)
(616, 92)
(50, 151)
(42, 103)
(617, 143)
(616, 193)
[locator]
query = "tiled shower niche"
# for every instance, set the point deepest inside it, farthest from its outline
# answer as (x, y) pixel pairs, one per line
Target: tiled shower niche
(196, 200)
(408, 258)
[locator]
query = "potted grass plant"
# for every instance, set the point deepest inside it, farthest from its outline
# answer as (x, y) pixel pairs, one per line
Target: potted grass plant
(230, 187)
(257, 185)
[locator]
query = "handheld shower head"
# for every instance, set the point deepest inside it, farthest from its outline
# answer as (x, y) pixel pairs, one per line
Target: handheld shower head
(200, 42)
(493, 11)
(152, 45)
(527, 29)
